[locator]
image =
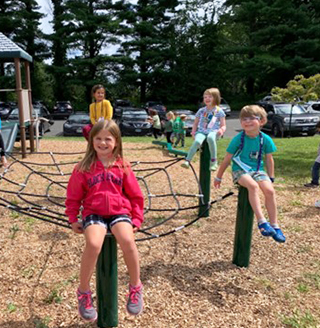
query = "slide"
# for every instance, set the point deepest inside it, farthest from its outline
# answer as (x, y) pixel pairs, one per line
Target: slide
(9, 132)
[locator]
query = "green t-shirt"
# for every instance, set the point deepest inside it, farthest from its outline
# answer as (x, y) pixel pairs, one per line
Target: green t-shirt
(168, 126)
(176, 125)
(250, 151)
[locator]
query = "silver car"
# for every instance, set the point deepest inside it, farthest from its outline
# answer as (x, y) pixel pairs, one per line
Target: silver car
(225, 106)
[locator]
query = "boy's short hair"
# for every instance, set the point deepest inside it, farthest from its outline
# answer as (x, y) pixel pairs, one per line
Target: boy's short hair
(253, 110)
(215, 93)
(183, 116)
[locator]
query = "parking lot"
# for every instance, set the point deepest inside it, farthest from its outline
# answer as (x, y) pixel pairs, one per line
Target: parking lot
(233, 126)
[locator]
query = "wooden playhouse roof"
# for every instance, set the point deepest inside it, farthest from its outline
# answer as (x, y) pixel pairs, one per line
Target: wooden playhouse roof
(9, 50)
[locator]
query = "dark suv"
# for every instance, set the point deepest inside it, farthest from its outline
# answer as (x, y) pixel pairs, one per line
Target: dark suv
(133, 122)
(118, 105)
(62, 109)
(285, 117)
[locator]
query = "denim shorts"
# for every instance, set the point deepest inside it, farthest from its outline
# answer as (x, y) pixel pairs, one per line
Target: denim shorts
(256, 176)
(107, 223)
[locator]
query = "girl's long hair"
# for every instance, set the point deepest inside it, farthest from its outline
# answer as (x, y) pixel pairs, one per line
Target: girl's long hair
(90, 156)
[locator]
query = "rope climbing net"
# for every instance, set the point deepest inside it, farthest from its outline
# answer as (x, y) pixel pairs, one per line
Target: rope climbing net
(37, 189)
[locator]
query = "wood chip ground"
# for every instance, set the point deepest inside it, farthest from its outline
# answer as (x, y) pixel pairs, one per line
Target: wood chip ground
(189, 279)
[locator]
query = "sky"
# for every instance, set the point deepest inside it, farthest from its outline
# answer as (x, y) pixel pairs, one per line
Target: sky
(47, 10)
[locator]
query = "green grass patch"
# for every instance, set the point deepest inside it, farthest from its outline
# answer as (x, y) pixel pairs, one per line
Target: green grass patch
(300, 320)
(293, 159)
(11, 308)
(13, 231)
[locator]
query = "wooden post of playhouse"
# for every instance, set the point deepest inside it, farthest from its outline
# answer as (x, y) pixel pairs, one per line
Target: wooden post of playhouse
(243, 233)
(20, 105)
(205, 179)
(107, 284)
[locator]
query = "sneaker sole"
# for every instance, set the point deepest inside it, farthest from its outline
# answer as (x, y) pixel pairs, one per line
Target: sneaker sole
(135, 314)
(87, 320)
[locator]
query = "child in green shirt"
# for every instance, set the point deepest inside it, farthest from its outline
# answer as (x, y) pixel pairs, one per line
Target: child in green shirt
(181, 131)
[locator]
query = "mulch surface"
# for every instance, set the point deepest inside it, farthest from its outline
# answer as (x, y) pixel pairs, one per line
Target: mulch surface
(188, 276)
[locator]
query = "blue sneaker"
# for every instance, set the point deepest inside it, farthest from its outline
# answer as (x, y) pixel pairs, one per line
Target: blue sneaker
(266, 229)
(279, 236)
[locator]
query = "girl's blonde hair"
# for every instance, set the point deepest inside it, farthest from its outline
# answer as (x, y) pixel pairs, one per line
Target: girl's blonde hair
(90, 156)
(254, 110)
(215, 93)
(170, 114)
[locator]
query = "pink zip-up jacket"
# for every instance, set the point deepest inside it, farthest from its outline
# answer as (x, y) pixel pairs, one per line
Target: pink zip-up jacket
(105, 192)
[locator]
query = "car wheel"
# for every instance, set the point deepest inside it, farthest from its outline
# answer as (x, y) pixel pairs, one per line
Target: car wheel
(277, 130)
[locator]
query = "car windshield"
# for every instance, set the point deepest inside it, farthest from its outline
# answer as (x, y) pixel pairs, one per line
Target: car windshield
(154, 103)
(286, 109)
(79, 119)
(63, 103)
(123, 103)
(184, 111)
(14, 114)
(134, 115)
(36, 110)
(316, 107)
(223, 102)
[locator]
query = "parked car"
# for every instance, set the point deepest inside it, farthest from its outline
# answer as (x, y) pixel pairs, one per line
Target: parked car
(312, 107)
(118, 105)
(158, 106)
(225, 106)
(134, 122)
(285, 117)
(4, 109)
(38, 111)
(188, 123)
(62, 109)
(74, 124)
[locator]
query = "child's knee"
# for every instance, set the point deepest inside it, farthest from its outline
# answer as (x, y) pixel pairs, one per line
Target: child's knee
(128, 245)
(253, 187)
(269, 192)
(94, 247)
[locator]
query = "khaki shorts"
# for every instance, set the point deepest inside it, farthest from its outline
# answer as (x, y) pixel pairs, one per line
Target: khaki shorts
(256, 176)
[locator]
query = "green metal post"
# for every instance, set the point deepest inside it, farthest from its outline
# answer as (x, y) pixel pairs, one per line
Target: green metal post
(205, 179)
(107, 284)
(243, 233)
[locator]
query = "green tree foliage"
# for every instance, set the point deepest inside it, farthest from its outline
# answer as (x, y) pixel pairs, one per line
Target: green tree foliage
(197, 51)
(59, 38)
(20, 20)
(145, 55)
(92, 26)
(300, 88)
(281, 39)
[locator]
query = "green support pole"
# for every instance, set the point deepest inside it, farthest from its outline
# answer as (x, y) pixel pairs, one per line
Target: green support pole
(205, 179)
(243, 233)
(107, 284)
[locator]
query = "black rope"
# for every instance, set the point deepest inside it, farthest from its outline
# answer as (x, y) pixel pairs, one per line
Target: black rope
(47, 214)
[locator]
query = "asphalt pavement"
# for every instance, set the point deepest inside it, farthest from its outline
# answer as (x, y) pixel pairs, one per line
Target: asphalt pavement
(233, 126)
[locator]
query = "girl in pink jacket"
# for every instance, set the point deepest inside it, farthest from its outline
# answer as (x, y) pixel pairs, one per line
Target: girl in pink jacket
(106, 189)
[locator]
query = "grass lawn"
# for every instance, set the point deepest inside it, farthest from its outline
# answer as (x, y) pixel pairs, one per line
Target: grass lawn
(293, 159)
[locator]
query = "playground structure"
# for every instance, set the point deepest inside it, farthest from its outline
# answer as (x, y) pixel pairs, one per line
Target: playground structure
(55, 173)
(9, 52)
